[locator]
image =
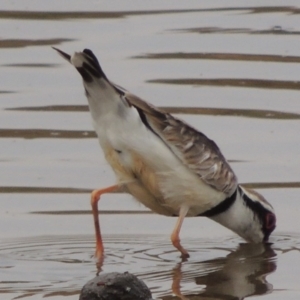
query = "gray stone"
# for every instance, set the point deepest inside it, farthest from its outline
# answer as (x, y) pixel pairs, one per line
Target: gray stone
(115, 286)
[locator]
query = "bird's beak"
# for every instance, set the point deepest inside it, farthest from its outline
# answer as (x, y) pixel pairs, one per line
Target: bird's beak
(63, 54)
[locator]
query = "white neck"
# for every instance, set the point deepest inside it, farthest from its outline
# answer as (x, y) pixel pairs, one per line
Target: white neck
(242, 220)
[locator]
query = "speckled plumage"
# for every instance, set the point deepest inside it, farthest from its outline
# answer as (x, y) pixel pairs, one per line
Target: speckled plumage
(166, 164)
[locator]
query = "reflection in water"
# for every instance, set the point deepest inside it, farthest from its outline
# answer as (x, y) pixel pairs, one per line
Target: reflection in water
(240, 274)
(235, 82)
(211, 111)
(216, 268)
(53, 261)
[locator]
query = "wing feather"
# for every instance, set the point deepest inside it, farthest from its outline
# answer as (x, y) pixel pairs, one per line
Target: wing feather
(196, 151)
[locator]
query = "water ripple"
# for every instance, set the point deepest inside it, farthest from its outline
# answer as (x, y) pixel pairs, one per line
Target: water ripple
(60, 265)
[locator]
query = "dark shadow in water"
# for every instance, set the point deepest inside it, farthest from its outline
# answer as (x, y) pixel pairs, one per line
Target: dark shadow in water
(233, 82)
(52, 108)
(271, 185)
(70, 190)
(45, 133)
(31, 65)
(7, 92)
(42, 190)
(210, 111)
(275, 9)
(234, 112)
(239, 275)
(206, 30)
(221, 56)
(59, 15)
(20, 43)
(88, 212)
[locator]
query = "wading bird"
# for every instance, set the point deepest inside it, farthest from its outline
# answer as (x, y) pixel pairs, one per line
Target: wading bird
(164, 163)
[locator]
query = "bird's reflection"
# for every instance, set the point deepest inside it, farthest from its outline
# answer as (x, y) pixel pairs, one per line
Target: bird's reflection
(240, 274)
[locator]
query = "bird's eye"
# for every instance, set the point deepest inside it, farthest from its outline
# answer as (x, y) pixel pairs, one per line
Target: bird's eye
(270, 221)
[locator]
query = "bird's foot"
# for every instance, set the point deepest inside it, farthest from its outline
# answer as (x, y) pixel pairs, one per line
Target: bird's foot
(99, 258)
(184, 256)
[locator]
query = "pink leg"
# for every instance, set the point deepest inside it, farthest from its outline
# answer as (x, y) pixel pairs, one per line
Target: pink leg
(95, 197)
(175, 234)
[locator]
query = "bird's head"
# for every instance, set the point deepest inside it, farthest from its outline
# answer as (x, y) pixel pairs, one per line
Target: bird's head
(262, 212)
(250, 216)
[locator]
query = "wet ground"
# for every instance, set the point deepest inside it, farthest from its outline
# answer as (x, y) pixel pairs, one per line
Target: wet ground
(231, 69)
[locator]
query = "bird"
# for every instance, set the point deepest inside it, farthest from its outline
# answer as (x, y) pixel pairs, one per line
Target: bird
(164, 163)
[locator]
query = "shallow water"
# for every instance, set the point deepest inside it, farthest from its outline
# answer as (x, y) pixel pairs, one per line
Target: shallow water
(229, 69)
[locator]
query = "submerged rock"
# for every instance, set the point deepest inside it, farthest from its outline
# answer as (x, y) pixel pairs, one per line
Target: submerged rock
(115, 286)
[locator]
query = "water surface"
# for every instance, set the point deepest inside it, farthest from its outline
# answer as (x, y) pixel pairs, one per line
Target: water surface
(229, 69)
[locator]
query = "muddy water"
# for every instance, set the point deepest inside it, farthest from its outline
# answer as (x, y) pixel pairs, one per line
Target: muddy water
(229, 69)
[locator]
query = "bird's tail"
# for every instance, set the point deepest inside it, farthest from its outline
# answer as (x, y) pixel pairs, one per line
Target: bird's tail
(102, 94)
(86, 64)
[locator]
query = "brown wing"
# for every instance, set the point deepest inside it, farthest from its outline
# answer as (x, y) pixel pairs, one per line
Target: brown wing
(200, 154)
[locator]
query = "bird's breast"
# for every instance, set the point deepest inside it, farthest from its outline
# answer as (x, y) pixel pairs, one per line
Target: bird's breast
(150, 171)
(138, 179)
(165, 191)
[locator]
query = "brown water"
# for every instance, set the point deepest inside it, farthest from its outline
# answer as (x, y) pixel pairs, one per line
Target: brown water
(228, 68)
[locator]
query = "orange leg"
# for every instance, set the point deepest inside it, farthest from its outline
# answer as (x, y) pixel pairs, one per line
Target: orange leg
(175, 234)
(95, 197)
